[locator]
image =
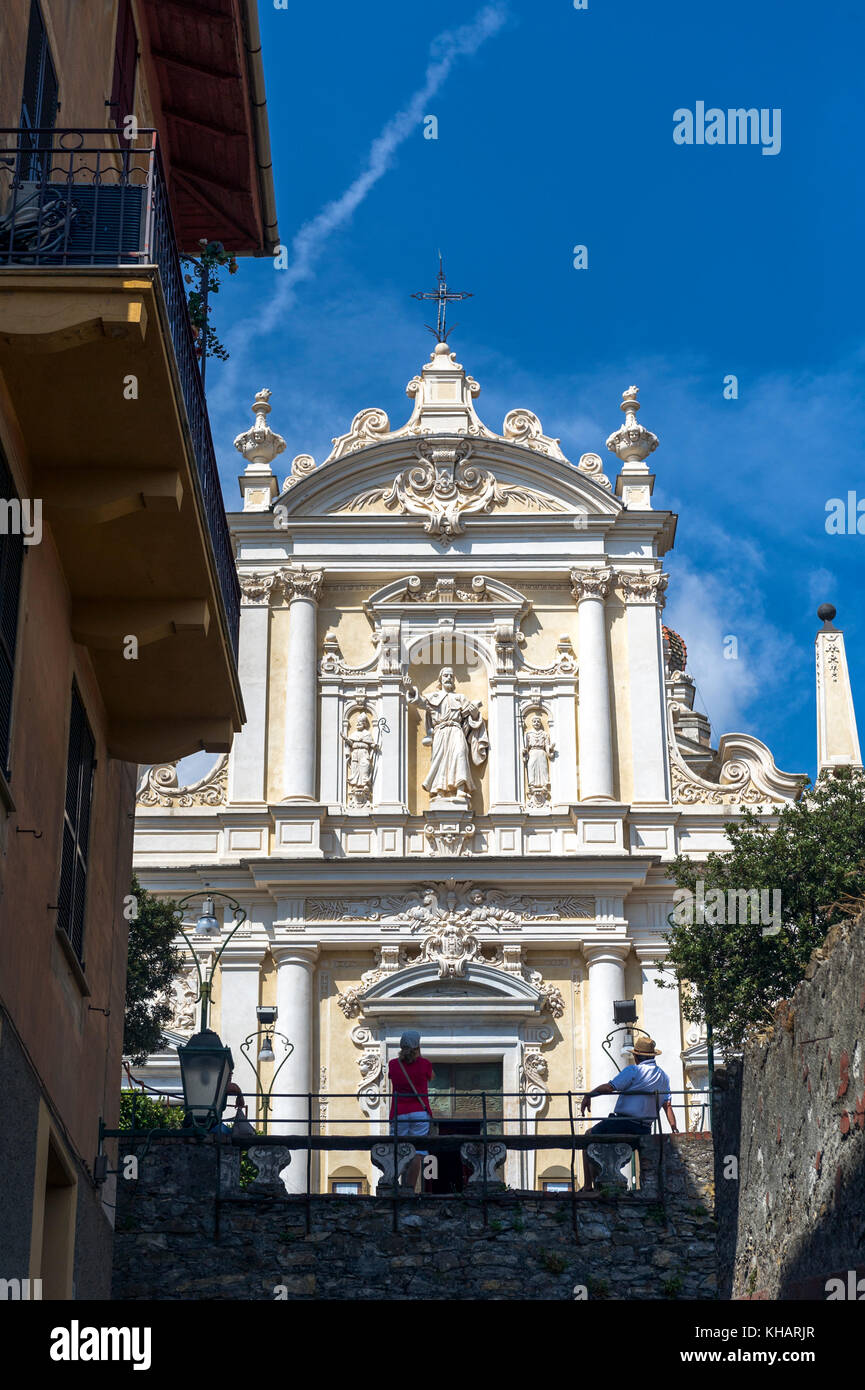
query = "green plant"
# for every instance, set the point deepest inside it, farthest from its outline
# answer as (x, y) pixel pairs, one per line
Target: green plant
(673, 1287)
(553, 1261)
(140, 1111)
(814, 858)
(212, 258)
(496, 1226)
(598, 1288)
(248, 1170)
(656, 1214)
(151, 966)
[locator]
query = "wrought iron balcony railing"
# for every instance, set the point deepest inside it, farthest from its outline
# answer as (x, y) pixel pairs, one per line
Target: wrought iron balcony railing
(87, 198)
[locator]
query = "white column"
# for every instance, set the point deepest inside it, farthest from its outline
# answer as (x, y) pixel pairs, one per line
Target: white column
(661, 1021)
(505, 788)
(294, 1001)
(389, 783)
(332, 746)
(606, 983)
(590, 588)
(239, 993)
(301, 722)
(247, 772)
(563, 770)
(644, 597)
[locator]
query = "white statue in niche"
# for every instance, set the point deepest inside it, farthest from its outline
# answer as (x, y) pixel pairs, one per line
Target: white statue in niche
(537, 752)
(457, 734)
(361, 748)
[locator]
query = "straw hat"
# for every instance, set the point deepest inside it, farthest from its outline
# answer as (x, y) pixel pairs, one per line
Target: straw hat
(644, 1047)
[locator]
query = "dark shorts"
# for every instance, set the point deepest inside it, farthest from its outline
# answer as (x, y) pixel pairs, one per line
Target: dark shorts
(621, 1124)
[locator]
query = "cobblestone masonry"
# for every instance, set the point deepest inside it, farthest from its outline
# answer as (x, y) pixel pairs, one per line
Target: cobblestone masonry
(797, 1215)
(175, 1240)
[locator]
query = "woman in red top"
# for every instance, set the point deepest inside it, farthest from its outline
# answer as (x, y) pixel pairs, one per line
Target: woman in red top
(410, 1075)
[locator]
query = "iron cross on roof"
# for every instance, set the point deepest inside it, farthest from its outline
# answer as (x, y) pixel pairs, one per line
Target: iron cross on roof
(445, 297)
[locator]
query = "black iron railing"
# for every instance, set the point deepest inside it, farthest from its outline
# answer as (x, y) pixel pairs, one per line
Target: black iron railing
(82, 198)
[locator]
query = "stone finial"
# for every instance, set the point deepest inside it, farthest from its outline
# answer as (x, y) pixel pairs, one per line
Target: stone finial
(632, 442)
(259, 445)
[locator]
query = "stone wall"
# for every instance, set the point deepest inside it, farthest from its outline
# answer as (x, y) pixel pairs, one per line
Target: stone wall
(798, 1209)
(186, 1231)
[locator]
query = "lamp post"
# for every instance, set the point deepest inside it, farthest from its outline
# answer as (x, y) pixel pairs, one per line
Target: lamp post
(206, 1063)
(267, 1016)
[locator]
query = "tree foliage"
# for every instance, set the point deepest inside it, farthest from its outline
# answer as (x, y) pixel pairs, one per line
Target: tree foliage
(815, 857)
(205, 280)
(141, 1111)
(152, 964)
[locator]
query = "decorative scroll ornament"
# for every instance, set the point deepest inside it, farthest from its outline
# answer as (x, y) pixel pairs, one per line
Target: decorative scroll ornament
(160, 787)
(632, 442)
(301, 467)
(590, 583)
(259, 445)
(445, 591)
(523, 427)
(565, 663)
(647, 587)
(592, 465)
(448, 838)
(452, 945)
(534, 1073)
(747, 776)
(443, 488)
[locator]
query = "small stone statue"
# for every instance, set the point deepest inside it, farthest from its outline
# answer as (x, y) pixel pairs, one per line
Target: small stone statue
(362, 748)
(537, 752)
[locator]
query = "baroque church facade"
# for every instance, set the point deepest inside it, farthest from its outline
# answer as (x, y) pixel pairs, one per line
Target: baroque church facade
(471, 751)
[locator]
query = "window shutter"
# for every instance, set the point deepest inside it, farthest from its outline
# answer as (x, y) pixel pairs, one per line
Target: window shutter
(11, 560)
(39, 98)
(125, 59)
(72, 893)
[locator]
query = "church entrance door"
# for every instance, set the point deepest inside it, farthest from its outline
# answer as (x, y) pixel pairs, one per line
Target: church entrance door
(457, 1095)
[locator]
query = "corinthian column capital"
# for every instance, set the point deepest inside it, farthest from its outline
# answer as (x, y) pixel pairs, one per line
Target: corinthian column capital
(648, 586)
(590, 583)
(302, 583)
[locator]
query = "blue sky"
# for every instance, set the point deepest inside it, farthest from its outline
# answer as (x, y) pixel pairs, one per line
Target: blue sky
(702, 261)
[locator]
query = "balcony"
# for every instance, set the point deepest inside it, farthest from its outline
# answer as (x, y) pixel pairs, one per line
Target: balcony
(98, 357)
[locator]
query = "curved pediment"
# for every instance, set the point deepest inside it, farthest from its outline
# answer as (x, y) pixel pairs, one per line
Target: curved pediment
(444, 465)
(481, 989)
(445, 480)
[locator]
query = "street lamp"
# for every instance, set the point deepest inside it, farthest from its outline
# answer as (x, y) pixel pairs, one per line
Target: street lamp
(206, 1063)
(267, 1016)
(205, 1070)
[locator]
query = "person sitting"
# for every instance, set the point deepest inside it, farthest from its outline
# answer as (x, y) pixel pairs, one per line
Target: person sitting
(410, 1114)
(634, 1113)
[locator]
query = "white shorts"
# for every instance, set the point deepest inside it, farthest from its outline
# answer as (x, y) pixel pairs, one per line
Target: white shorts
(413, 1124)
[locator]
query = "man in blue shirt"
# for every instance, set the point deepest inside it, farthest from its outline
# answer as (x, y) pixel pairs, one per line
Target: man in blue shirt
(635, 1113)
